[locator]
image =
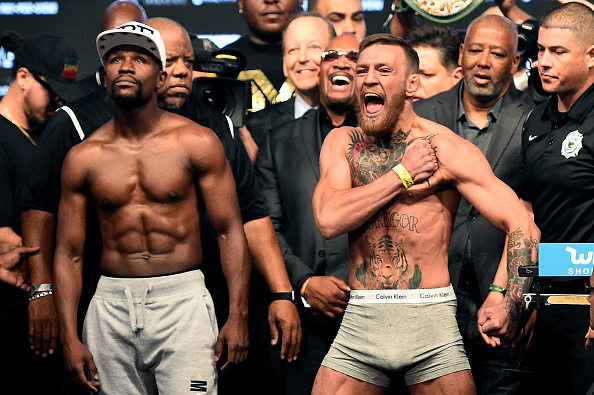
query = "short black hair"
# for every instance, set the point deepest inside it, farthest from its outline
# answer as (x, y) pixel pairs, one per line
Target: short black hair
(445, 40)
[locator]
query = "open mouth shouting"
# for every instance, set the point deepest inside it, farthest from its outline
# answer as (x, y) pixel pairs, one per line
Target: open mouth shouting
(373, 103)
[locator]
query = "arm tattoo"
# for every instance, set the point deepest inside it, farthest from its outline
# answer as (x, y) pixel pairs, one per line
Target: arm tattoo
(520, 249)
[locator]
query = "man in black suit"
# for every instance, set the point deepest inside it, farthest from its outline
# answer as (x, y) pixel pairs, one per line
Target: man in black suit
(289, 171)
(304, 39)
(486, 109)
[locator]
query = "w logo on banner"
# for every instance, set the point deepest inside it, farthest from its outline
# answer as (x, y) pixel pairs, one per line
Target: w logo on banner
(561, 259)
(198, 386)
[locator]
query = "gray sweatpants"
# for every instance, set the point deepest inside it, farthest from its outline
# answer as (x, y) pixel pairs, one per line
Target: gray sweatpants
(153, 335)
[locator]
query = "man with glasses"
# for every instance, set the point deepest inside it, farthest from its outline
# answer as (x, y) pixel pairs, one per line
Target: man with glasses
(289, 171)
(43, 77)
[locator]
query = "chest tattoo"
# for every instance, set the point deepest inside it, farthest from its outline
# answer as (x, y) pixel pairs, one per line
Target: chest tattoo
(370, 157)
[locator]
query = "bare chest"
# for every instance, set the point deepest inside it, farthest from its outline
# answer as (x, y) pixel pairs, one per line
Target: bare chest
(370, 160)
(126, 176)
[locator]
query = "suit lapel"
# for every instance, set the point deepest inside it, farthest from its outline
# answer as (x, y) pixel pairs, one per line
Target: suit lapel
(505, 127)
(443, 111)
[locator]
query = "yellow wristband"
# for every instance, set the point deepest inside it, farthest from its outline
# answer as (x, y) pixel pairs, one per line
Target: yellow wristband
(406, 179)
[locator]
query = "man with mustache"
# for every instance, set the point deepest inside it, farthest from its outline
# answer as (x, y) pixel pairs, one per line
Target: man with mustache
(557, 177)
(394, 185)
(152, 176)
(289, 170)
(487, 110)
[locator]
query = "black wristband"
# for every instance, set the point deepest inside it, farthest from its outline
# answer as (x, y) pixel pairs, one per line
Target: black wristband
(283, 296)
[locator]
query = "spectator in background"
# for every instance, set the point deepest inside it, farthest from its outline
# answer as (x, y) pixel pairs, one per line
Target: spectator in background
(438, 48)
(43, 78)
(289, 169)
(346, 15)
(262, 48)
(304, 40)
(486, 109)
(557, 179)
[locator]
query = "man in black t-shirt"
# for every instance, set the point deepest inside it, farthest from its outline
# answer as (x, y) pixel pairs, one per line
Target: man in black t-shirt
(262, 48)
(558, 185)
(43, 77)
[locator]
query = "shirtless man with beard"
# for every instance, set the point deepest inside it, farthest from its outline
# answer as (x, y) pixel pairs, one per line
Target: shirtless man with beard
(393, 185)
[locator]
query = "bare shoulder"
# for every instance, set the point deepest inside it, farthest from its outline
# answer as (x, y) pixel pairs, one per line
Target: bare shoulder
(340, 139)
(343, 134)
(187, 130)
(90, 148)
(446, 143)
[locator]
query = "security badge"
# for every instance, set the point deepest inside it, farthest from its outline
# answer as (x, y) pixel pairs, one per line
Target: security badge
(572, 144)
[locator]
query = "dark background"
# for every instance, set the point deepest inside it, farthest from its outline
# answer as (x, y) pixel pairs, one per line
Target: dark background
(78, 21)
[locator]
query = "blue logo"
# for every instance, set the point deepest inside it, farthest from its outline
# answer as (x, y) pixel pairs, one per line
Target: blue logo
(565, 260)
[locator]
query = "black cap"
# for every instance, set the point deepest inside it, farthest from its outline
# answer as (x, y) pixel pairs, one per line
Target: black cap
(53, 58)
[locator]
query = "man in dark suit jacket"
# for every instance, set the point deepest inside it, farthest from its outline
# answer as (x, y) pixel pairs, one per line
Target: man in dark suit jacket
(488, 110)
(289, 172)
(304, 40)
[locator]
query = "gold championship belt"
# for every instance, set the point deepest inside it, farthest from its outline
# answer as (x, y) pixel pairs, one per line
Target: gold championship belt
(439, 11)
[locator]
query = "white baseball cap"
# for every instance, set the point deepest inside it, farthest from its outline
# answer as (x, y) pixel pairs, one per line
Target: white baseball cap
(132, 33)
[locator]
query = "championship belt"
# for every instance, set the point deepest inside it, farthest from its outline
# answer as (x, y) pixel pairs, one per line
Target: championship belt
(439, 11)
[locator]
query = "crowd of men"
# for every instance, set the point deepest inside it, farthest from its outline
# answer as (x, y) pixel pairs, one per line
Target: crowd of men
(362, 232)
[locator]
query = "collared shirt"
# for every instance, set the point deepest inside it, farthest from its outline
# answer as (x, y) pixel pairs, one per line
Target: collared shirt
(558, 169)
(326, 124)
(481, 137)
(301, 106)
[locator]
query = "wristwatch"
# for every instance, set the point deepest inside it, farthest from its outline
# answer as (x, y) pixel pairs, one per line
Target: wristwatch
(283, 296)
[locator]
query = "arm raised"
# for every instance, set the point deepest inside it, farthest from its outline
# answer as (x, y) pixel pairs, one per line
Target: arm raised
(338, 206)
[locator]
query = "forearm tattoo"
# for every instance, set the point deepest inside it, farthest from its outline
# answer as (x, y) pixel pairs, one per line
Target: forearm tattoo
(520, 249)
(387, 267)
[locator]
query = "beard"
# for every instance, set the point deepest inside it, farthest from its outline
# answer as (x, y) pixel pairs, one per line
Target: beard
(384, 123)
(127, 102)
(487, 93)
(173, 106)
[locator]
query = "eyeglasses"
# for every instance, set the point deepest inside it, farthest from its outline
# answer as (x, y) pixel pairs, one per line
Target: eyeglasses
(53, 95)
(589, 289)
(332, 55)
